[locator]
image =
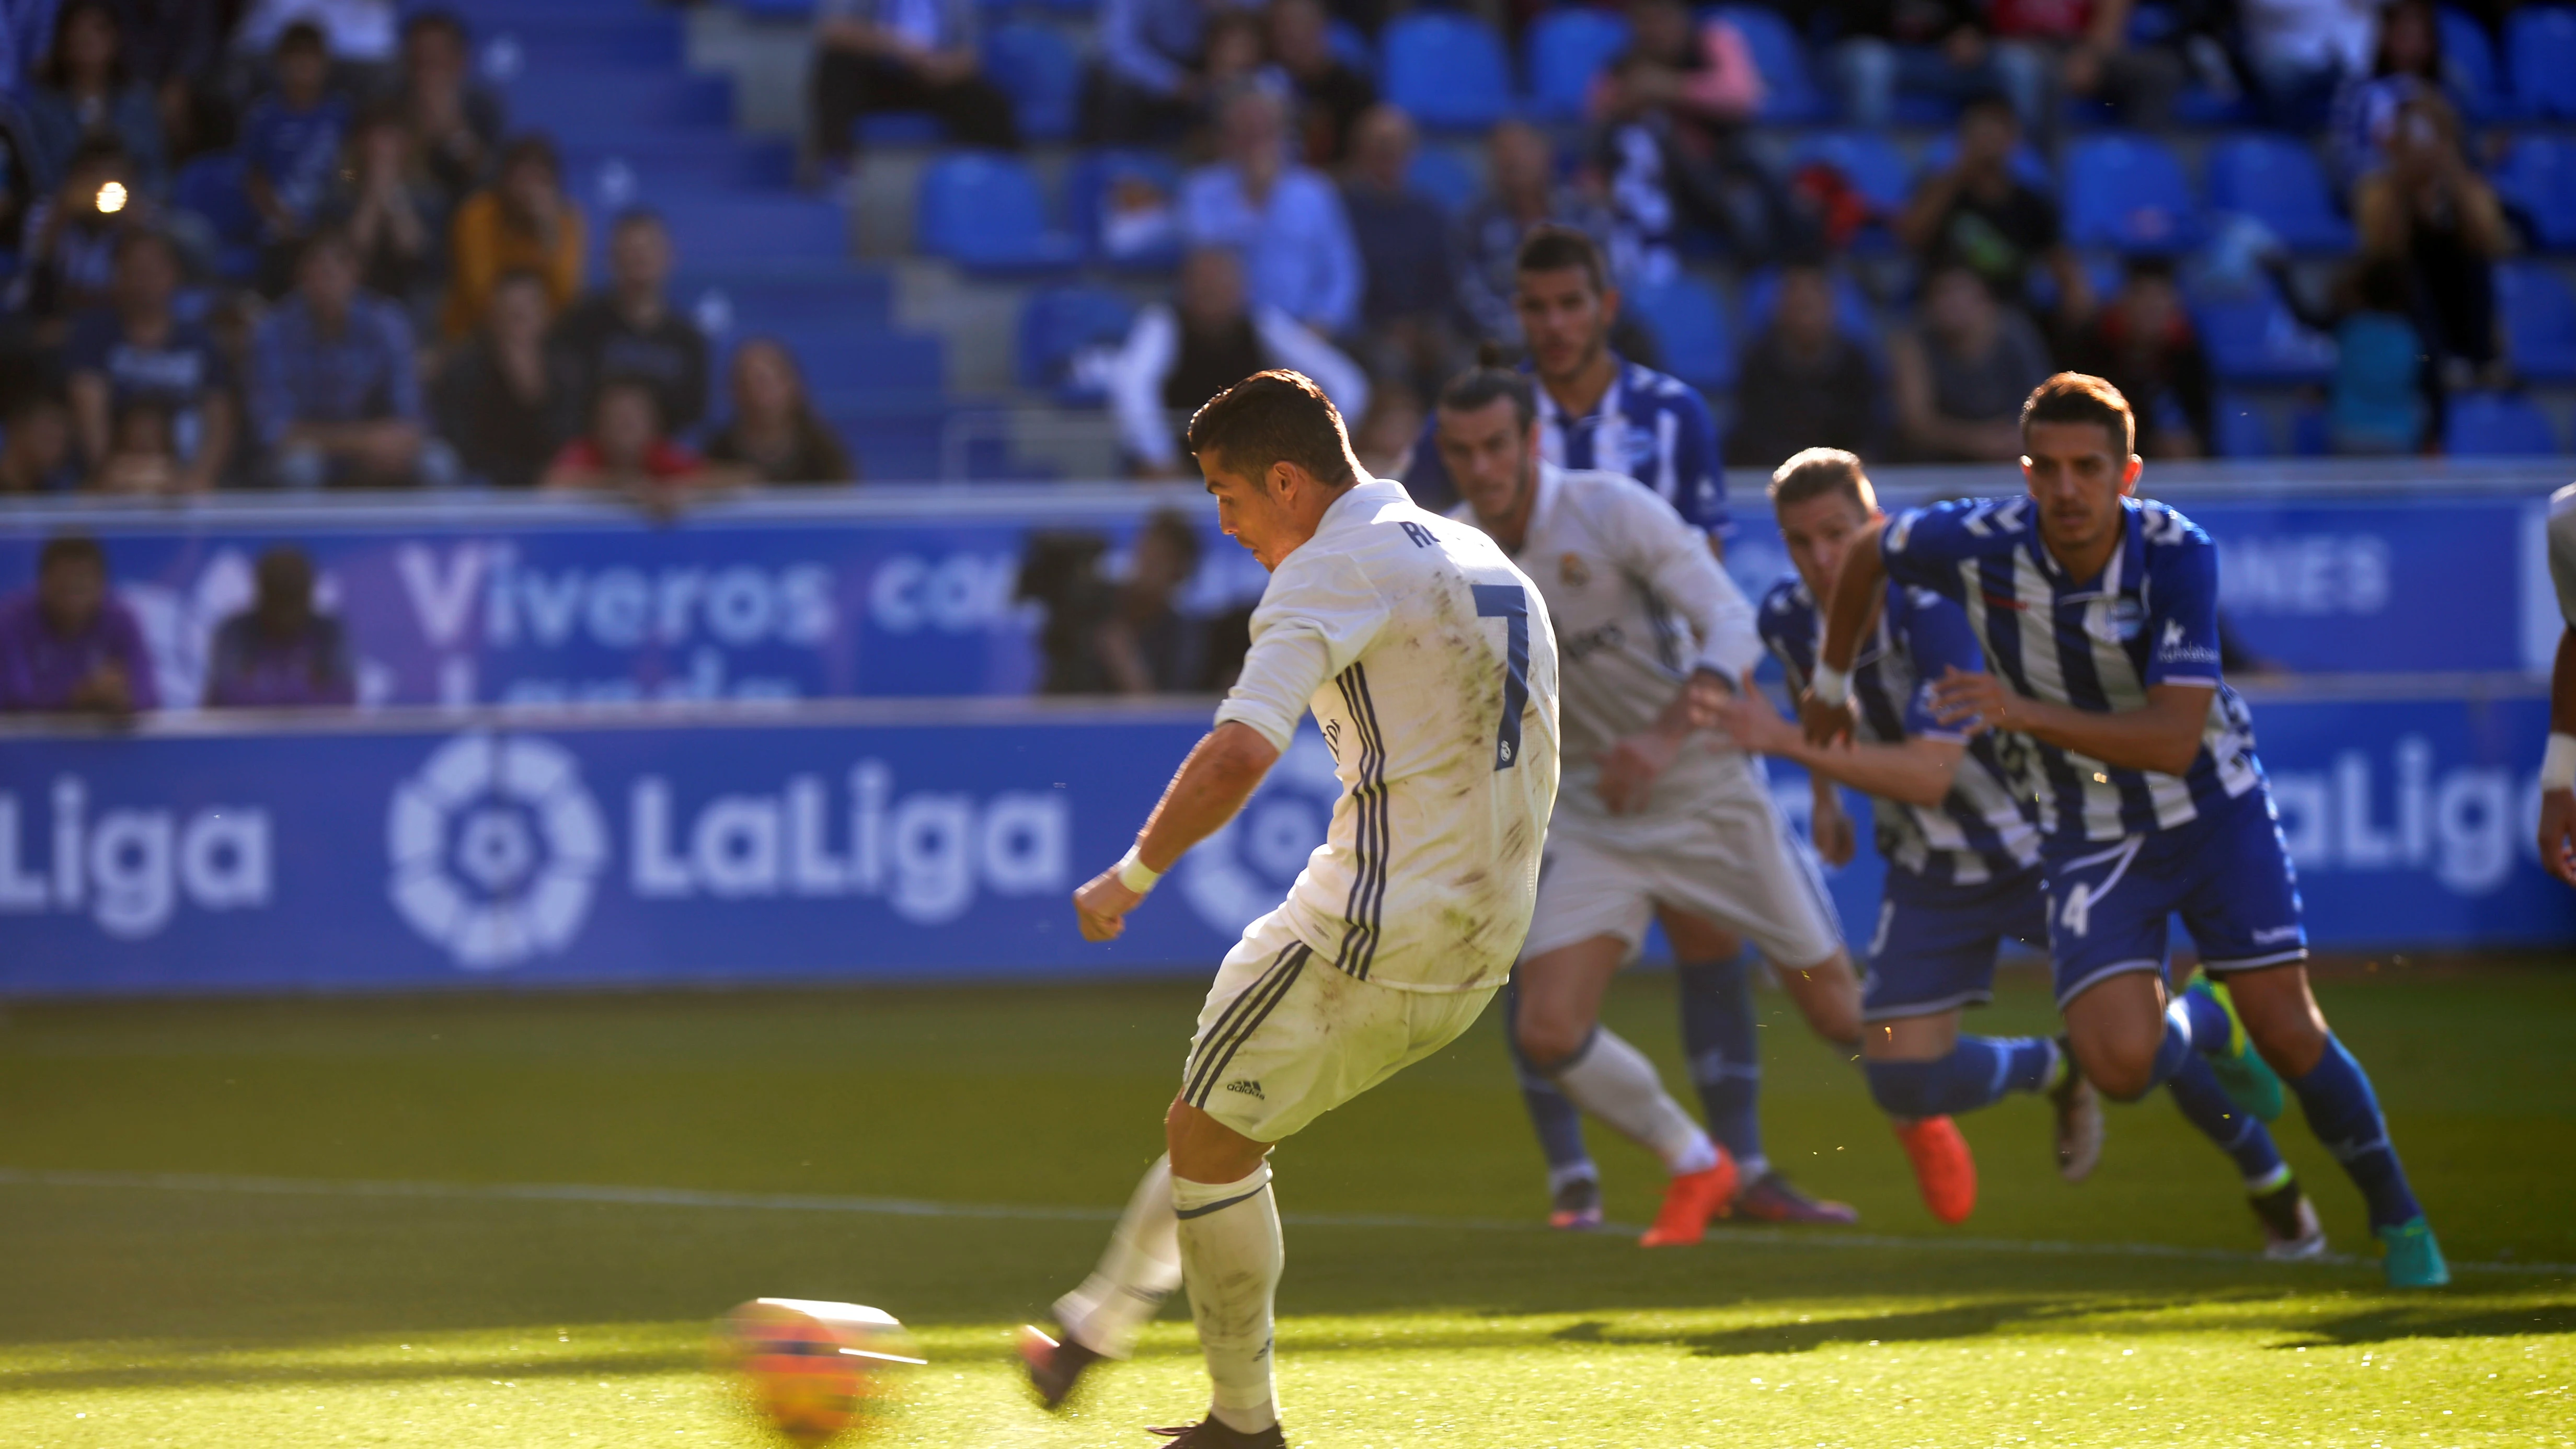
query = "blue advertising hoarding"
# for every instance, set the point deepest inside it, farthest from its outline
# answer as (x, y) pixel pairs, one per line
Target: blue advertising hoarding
(930, 842)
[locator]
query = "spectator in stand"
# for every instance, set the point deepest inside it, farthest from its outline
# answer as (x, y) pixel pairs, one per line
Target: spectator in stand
(174, 49)
(364, 35)
(138, 351)
(1383, 440)
(522, 222)
(2143, 343)
(1409, 305)
(627, 452)
(395, 213)
(2048, 50)
(1148, 646)
(2407, 66)
(69, 263)
(2299, 51)
(774, 433)
(901, 55)
(1284, 219)
(454, 122)
(36, 445)
(1962, 372)
(290, 141)
(1805, 382)
(2384, 397)
(83, 89)
(2430, 213)
(1934, 48)
(1980, 216)
(630, 329)
(142, 457)
(22, 184)
(1147, 87)
(1524, 192)
(281, 652)
(69, 646)
(1672, 117)
(1179, 356)
(334, 394)
(1331, 95)
(505, 400)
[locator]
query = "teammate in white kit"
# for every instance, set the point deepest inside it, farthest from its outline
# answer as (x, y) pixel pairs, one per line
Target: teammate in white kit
(1656, 819)
(1429, 665)
(2558, 766)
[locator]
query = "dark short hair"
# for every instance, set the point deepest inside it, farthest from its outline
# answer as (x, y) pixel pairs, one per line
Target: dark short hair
(437, 18)
(531, 146)
(1276, 416)
(67, 548)
(1173, 527)
(55, 69)
(1478, 387)
(2077, 397)
(96, 147)
(637, 216)
(134, 238)
(1817, 472)
(1549, 247)
(330, 236)
(302, 35)
(1990, 101)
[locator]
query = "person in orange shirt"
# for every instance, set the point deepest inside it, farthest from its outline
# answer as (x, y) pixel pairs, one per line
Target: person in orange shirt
(522, 222)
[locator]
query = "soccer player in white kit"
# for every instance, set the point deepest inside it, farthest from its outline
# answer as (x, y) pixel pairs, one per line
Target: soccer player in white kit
(1656, 819)
(1429, 665)
(2558, 764)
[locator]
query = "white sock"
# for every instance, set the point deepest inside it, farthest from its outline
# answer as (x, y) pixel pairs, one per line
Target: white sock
(1230, 1246)
(1139, 1271)
(1614, 1082)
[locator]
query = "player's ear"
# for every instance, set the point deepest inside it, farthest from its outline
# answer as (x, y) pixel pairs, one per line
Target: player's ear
(2129, 474)
(1609, 306)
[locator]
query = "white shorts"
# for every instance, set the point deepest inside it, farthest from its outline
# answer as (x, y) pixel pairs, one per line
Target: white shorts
(1286, 1037)
(1732, 861)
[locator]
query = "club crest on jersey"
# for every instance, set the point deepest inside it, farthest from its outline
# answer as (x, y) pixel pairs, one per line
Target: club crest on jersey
(2128, 616)
(1572, 571)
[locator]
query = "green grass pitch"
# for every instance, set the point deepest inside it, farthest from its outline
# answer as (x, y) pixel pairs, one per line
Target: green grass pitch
(189, 1253)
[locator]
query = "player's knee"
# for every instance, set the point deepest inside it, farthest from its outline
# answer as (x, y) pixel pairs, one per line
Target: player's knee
(2122, 1071)
(1909, 1089)
(1549, 1045)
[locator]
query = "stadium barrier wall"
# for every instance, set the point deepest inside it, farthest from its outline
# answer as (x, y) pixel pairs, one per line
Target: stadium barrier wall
(911, 593)
(412, 850)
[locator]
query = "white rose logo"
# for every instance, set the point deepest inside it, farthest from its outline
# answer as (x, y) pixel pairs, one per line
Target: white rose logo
(1234, 876)
(495, 847)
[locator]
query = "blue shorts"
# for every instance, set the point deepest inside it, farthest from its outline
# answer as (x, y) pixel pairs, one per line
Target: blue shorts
(1935, 946)
(2228, 875)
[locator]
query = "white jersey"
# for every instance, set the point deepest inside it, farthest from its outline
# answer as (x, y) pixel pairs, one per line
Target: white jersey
(1639, 604)
(2562, 550)
(1430, 666)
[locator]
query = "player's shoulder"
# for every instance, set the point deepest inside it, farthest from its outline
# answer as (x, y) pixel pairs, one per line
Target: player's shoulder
(2164, 527)
(1786, 608)
(1962, 524)
(1661, 389)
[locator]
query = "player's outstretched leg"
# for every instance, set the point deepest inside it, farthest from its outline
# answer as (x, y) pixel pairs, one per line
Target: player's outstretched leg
(1720, 1040)
(1573, 1182)
(2282, 1016)
(1920, 1085)
(1101, 1318)
(2291, 1230)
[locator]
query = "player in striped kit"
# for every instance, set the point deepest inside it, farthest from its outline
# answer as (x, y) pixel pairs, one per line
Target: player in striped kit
(2098, 617)
(1598, 411)
(1962, 851)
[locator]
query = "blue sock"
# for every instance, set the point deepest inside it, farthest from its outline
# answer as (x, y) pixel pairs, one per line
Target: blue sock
(1978, 1072)
(1718, 1037)
(2207, 1106)
(2344, 1113)
(1553, 1115)
(2208, 1021)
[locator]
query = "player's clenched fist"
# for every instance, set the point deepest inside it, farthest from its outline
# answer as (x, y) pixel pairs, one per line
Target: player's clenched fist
(1975, 700)
(1103, 906)
(1824, 723)
(2558, 834)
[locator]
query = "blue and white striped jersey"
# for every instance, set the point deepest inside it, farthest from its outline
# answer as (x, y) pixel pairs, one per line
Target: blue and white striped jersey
(2094, 644)
(1649, 426)
(1983, 829)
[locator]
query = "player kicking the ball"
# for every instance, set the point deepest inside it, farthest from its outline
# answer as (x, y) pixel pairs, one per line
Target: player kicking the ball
(1962, 849)
(2099, 617)
(1656, 819)
(1429, 664)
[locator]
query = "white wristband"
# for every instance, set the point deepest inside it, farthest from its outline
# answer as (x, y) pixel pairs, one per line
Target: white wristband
(1832, 686)
(2558, 763)
(1135, 874)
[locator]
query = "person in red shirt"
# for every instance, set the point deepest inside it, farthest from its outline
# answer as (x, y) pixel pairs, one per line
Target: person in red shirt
(625, 451)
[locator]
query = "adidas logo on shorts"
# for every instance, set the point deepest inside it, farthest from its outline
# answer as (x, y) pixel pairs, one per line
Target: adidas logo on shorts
(1248, 1088)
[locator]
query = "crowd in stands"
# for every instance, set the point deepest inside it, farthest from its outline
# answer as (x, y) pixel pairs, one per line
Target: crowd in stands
(417, 307)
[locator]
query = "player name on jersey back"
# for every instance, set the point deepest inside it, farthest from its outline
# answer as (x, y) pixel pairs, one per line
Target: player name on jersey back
(1430, 665)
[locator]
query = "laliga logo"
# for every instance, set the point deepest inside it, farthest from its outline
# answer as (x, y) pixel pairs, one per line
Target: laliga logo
(495, 845)
(1244, 869)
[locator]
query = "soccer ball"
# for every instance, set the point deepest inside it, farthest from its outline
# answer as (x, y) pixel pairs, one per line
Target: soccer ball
(812, 1370)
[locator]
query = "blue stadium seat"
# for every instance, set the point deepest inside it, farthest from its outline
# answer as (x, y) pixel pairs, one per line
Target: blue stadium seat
(985, 212)
(776, 9)
(1058, 323)
(1447, 70)
(1086, 195)
(2278, 182)
(1446, 177)
(1688, 319)
(1352, 47)
(2540, 48)
(2496, 425)
(2539, 179)
(1789, 90)
(2128, 193)
(2539, 320)
(1878, 170)
(1037, 68)
(210, 187)
(1851, 307)
(2242, 428)
(2469, 65)
(1563, 51)
(2256, 340)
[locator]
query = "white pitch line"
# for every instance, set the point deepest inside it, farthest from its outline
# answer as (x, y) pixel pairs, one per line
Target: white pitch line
(683, 1197)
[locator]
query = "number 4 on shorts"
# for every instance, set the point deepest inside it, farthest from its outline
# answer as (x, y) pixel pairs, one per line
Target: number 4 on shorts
(1510, 603)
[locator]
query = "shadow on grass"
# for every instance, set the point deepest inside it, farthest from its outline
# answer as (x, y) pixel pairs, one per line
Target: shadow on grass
(164, 1375)
(2436, 1320)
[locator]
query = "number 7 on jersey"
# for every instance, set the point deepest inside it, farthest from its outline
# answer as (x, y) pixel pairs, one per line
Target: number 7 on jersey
(1510, 603)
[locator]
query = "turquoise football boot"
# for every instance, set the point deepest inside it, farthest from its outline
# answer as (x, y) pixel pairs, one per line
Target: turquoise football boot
(2414, 1258)
(2250, 1081)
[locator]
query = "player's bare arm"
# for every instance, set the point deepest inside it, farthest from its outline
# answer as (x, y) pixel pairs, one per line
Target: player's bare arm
(2558, 767)
(2162, 735)
(1917, 772)
(1220, 774)
(1824, 711)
